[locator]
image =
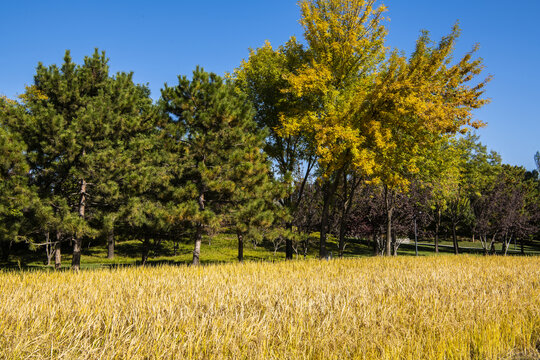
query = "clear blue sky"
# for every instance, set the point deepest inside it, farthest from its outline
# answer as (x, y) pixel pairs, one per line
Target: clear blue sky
(160, 39)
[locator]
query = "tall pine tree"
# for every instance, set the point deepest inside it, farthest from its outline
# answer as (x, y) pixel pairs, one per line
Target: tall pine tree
(220, 152)
(78, 122)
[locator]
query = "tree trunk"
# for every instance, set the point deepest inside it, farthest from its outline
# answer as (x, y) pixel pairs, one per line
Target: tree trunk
(49, 248)
(507, 245)
(288, 245)
(375, 244)
(330, 188)
(492, 246)
(198, 234)
(342, 230)
(454, 238)
(389, 211)
(415, 237)
(240, 247)
(437, 227)
(58, 251)
(348, 195)
(76, 260)
(483, 240)
(395, 244)
(145, 250)
(293, 206)
(77, 245)
(504, 243)
(58, 254)
(6, 249)
(197, 250)
(324, 226)
(110, 244)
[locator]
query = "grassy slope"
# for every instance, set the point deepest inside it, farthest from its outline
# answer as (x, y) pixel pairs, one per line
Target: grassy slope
(444, 307)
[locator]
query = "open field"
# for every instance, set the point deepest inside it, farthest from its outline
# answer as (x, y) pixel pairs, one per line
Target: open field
(441, 307)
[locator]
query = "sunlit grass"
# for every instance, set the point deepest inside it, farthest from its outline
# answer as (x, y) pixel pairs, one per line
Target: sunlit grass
(374, 308)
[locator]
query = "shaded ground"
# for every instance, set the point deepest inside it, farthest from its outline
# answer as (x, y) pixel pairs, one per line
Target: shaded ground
(222, 248)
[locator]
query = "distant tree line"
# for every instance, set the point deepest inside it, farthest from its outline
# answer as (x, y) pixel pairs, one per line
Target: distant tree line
(336, 135)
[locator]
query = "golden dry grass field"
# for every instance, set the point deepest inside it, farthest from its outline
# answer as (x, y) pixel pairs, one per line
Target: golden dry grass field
(374, 308)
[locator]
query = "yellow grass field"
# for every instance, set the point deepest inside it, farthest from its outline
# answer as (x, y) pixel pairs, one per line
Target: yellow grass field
(374, 308)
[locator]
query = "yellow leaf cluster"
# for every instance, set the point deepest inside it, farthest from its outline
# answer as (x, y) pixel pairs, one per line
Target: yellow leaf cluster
(32, 93)
(370, 109)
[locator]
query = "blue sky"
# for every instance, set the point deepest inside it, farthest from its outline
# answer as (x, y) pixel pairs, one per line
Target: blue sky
(159, 40)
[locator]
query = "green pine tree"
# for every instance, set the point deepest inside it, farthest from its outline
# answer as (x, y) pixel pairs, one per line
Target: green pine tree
(224, 172)
(79, 121)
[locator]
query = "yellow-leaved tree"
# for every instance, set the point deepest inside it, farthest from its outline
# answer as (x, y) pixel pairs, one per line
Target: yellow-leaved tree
(378, 112)
(369, 111)
(417, 102)
(345, 43)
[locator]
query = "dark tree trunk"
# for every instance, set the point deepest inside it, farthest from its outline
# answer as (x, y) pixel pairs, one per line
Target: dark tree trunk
(145, 250)
(288, 249)
(288, 245)
(6, 249)
(348, 194)
(437, 227)
(240, 247)
(492, 246)
(76, 260)
(504, 247)
(415, 237)
(110, 244)
(330, 189)
(294, 204)
(375, 244)
(344, 217)
(77, 244)
(324, 227)
(342, 230)
(454, 238)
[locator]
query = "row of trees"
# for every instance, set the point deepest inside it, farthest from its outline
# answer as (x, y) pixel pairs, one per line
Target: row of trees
(90, 156)
(333, 134)
(478, 199)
